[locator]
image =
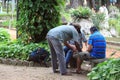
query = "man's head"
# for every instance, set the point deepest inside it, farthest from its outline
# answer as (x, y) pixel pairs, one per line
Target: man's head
(77, 26)
(93, 29)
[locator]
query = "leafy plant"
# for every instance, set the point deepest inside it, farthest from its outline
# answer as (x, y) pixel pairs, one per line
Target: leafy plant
(115, 23)
(4, 35)
(80, 12)
(36, 17)
(67, 16)
(97, 18)
(7, 23)
(19, 51)
(108, 70)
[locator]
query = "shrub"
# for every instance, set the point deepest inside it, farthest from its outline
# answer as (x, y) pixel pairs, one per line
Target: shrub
(115, 23)
(108, 70)
(4, 35)
(11, 23)
(37, 17)
(18, 50)
(80, 12)
(67, 16)
(97, 18)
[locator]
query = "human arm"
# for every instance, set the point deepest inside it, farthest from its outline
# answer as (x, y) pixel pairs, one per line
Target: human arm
(77, 46)
(84, 39)
(86, 44)
(70, 46)
(89, 48)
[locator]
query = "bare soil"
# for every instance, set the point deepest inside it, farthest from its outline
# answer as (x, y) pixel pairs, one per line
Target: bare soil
(10, 72)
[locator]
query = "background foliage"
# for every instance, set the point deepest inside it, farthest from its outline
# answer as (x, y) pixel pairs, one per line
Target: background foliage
(97, 18)
(4, 35)
(80, 12)
(36, 17)
(16, 50)
(108, 70)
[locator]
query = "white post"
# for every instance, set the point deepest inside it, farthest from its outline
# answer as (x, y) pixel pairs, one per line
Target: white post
(13, 7)
(1, 9)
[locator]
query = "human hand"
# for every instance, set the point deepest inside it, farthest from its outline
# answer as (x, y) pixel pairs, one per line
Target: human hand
(74, 48)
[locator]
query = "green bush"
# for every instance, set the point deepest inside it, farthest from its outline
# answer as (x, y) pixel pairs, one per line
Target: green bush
(67, 16)
(108, 70)
(4, 35)
(8, 22)
(115, 23)
(116, 11)
(19, 51)
(37, 17)
(80, 12)
(97, 18)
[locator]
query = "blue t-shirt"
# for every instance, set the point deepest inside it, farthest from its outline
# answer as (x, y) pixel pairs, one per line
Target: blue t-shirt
(98, 42)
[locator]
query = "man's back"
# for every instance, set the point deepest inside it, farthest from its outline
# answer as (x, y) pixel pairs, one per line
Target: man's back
(64, 33)
(98, 42)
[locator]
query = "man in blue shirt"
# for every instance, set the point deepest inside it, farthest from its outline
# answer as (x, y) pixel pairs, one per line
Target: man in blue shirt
(96, 46)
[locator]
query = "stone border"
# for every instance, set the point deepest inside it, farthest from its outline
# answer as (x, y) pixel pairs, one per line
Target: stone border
(16, 62)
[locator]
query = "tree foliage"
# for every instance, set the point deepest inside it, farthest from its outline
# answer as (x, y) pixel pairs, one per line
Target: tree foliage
(36, 17)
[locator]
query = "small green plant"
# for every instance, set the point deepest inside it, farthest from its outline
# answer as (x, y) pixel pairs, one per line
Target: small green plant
(11, 23)
(67, 16)
(4, 35)
(80, 12)
(18, 50)
(97, 18)
(115, 23)
(108, 70)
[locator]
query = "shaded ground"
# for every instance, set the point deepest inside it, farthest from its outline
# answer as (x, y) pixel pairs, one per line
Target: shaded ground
(9, 72)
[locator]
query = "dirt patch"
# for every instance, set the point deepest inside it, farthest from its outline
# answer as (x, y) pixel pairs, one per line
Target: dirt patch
(12, 33)
(9, 72)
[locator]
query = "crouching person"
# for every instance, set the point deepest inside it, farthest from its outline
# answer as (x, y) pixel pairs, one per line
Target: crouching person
(96, 46)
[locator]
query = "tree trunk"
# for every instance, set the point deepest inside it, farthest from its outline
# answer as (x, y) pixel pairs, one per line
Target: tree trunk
(4, 3)
(75, 3)
(118, 4)
(93, 3)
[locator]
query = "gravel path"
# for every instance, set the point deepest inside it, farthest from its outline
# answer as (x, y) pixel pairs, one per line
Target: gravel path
(9, 72)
